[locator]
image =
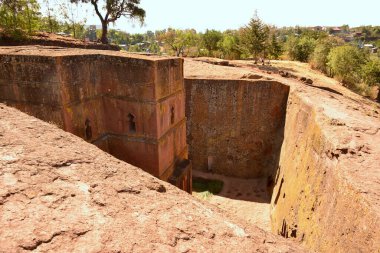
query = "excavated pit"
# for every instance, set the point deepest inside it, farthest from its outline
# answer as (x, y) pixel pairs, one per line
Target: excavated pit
(235, 130)
(313, 164)
(235, 127)
(325, 192)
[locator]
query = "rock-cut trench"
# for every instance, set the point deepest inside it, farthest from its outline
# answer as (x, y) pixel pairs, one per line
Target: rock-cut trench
(266, 142)
(282, 168)
(235, 130)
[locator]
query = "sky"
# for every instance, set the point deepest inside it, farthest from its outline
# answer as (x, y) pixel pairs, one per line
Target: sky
(227, 14)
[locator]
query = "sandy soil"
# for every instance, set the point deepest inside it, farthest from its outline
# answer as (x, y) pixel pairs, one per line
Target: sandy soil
(247, 199)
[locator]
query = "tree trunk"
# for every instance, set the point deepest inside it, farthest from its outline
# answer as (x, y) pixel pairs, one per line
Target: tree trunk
(29, 19)
(50, 24)
(14, 18)
(104, 38)
(75, 36)
(378, 95)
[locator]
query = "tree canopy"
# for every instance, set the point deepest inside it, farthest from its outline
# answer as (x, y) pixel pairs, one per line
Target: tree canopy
(178, 40)
(346, 63)
(210, 40)
(254, 37)
(19, 15)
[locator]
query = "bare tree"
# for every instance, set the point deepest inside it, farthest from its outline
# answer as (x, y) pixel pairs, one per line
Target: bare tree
(69, 12)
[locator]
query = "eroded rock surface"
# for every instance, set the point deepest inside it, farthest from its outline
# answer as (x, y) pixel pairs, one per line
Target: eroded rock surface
(61, 194)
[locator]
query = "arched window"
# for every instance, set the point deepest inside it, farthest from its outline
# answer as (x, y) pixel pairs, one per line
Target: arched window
(172, 115)
(132, 123)
(88, 129)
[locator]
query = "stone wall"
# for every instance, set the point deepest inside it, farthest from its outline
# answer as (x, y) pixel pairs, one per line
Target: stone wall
(315, 200)
(235, 127)
(130, 106)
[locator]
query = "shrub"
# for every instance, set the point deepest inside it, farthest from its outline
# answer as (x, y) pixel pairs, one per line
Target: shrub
(301, 48)
(346, 64)
(371, 74)
(319, 56)
(207, 185)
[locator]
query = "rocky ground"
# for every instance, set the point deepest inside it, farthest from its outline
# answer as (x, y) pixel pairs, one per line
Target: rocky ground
(61, 194)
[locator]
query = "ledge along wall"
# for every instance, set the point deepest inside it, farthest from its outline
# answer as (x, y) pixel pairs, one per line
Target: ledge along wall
(131, 107)
(235, 127)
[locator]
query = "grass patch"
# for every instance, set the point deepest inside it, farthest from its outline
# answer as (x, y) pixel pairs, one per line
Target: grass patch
(205, 188)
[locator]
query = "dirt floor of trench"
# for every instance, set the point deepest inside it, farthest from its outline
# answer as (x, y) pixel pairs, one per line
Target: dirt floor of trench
(247, 199)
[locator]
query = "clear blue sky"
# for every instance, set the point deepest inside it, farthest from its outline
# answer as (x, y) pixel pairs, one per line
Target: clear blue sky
(224, 14)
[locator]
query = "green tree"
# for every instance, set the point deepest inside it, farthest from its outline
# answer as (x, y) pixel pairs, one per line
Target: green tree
(254, 37)
(322, 49)
(346, 64)
(149, 36)
(50, 24)
(371, 74)
(229, 45)
(154, 48)
(178, 40)
(32, 15)
(300, 48)
(50, 16)
(119, 37)
(137, 38)
(210, 40)
(275, 49)
(115, 9)
(17, 16)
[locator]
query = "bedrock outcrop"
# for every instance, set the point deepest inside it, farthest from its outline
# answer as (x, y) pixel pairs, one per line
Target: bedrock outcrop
(59, 193)
(327, 188)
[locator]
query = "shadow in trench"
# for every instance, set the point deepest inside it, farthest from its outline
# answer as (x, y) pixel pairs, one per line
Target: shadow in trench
(251, 190)
(247, 199)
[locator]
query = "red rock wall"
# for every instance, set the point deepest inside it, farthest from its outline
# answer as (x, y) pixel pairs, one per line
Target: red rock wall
(103, 90)
(235, 127)
(313, 200)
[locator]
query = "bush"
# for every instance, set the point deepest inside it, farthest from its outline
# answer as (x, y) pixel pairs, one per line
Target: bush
(207, 185)
(371, 74)
(300, 49)
(210, 40)
(319, 56)
(346, 64)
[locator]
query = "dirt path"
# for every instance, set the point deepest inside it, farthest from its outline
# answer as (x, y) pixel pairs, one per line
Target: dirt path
(247, 199)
